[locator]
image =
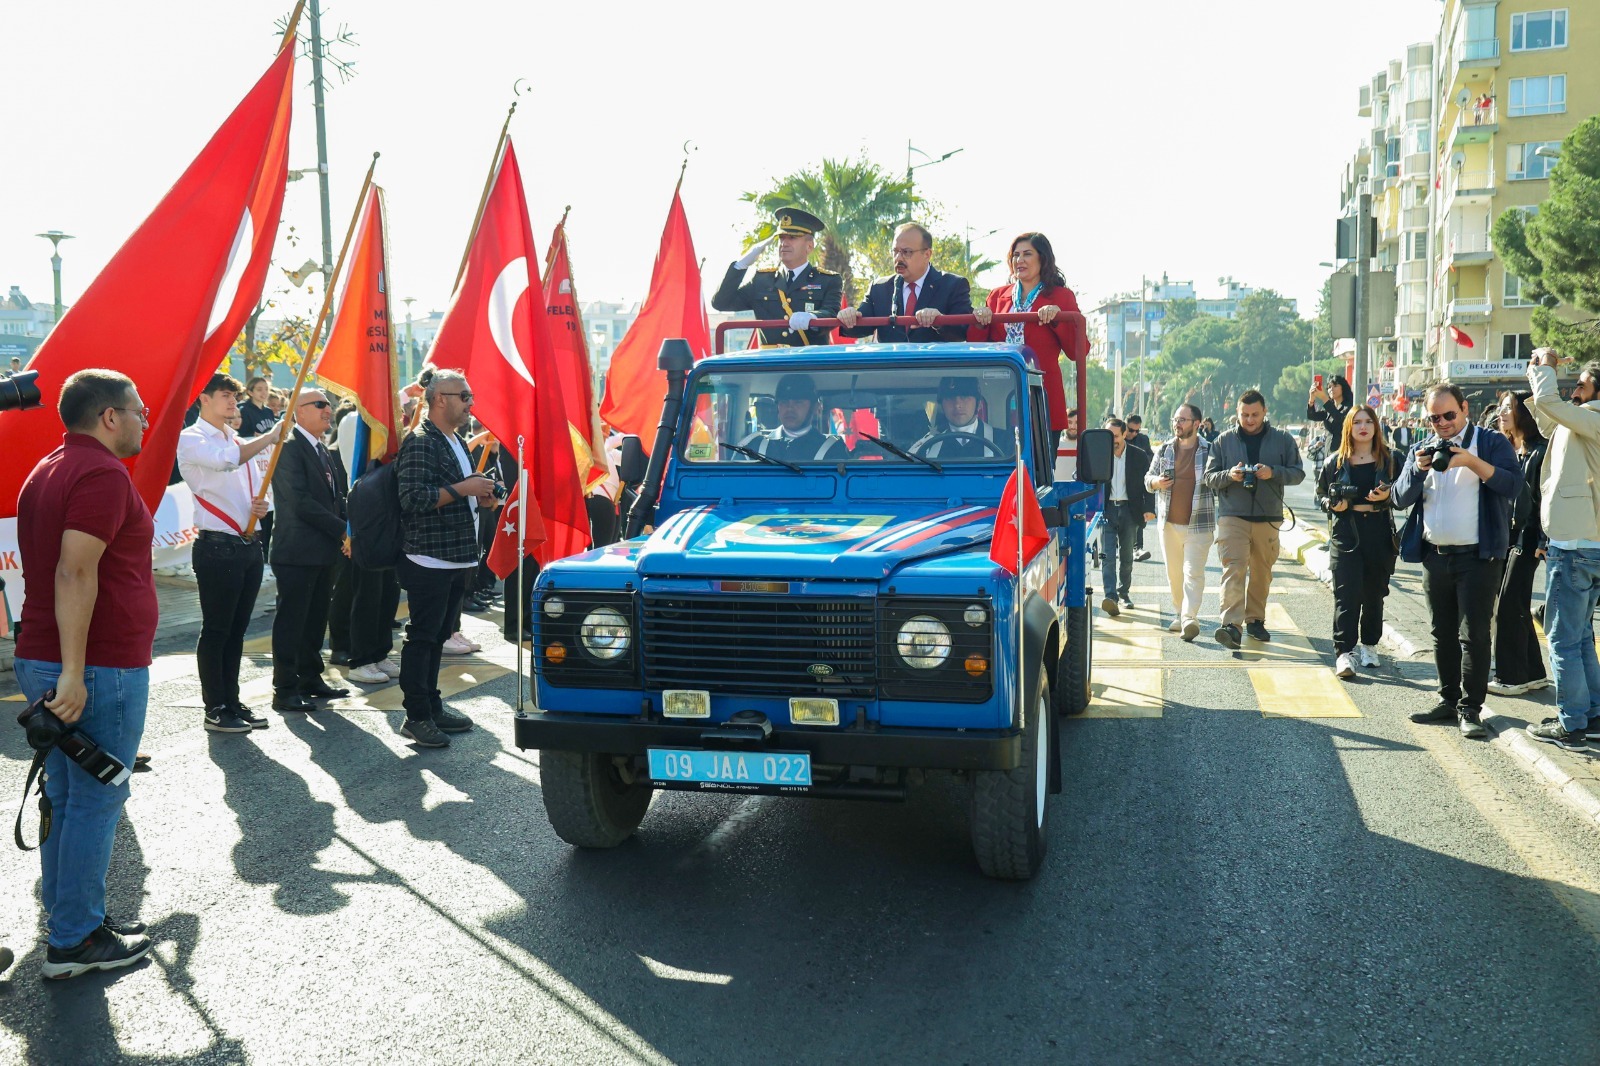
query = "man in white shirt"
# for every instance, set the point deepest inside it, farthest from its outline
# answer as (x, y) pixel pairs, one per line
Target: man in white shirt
(219, 469)
(1128, 506)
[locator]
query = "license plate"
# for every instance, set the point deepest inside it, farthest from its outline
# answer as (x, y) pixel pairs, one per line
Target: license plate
(734, 770)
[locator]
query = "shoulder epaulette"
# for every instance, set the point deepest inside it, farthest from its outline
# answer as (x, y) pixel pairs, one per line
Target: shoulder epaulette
(825, 270)
(766, 270)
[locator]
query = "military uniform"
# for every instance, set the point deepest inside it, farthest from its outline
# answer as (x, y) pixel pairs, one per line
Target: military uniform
(809, 447)
(964, 447)
(771, 293)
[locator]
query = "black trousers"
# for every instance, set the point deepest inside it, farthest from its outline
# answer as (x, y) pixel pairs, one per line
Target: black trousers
(435, 598)
(344, 591)
(227, 571)
(1461, 590)
(374, 602)
(1362, 560)
(304, 595)
(530, 571)
(1517, 659)
(263, 533)
(602, 520)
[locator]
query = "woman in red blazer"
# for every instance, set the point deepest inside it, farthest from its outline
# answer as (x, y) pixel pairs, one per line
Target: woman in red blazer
(1037, 285)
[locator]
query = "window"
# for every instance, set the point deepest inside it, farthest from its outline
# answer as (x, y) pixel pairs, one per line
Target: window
(1524, 164)
(1545, 95)
(1516, 346)
(1478, 40)
(1514, 297)
(1539, 29)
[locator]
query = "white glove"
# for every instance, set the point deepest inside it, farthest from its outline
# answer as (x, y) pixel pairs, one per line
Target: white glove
(800, 319)
(748, 260)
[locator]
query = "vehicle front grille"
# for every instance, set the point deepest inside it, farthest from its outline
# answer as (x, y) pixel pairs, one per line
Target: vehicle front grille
(760, 645)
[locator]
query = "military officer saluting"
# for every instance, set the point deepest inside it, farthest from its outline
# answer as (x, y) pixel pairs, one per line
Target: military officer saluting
(797, 438)
(794, 290)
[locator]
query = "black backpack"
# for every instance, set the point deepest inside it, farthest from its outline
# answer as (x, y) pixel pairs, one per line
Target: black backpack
(376, 539)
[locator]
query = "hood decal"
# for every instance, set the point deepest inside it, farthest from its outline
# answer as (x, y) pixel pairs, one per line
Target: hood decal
(914, 531)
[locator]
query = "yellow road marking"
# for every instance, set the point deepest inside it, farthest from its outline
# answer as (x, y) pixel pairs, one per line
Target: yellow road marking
(1125, 693)
(1299, 693)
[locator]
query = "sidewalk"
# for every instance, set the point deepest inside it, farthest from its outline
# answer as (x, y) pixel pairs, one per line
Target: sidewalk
(1574, 776)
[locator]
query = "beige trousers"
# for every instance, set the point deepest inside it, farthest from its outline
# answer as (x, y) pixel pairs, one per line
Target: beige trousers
(1247, 551)
(1184, 553)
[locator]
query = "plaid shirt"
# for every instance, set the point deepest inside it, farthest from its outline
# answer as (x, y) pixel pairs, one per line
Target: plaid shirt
(1203, 519)
(427, 464)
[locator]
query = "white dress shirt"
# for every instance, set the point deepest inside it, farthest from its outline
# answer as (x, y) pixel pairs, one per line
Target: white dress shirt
(1450, 501)
(1118, 492)
(208, 459)
(914, 291)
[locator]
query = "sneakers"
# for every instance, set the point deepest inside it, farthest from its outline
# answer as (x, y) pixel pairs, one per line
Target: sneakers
(1592, 730)
(1366, 656)
(1442, 711)
(1191, 629)
(1344, 667)
(1501, 688)
(1141, 556)
(1109, 606)
(1175, 626)
(451, 721)
(1551, 731)
(456, 644)
(368, 674)
(249, 717)
(388, 666)
(1126, 602)
(424, 733)
(1229, 637)
(221, 720)
(103, 949)
(1258, 631)
(1471, 724)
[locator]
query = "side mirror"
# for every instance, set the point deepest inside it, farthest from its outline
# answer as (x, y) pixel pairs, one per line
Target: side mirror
(631, 468)
(1095, 448)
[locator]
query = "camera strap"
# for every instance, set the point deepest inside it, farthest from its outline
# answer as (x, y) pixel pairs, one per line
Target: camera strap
(34, 771)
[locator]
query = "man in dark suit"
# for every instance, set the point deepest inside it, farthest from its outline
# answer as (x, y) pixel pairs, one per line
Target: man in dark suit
(794, 290)
(958, 430)
(914, 290)
(1141, 440)
(306, 545)
(1128, 506)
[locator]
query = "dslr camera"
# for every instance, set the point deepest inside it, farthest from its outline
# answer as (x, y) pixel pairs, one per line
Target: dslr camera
(1343, 490)
(46, 731)
(500, 491)
(1440, 450)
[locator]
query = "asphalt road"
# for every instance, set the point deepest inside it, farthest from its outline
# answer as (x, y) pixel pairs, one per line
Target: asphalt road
(1223, 886)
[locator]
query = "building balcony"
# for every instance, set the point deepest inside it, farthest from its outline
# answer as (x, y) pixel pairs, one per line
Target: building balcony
(1463, 249)
(1412, 272)
(1470, 56)
(1416, 166)
(1413, 325)
(1468, 186)
(1414, 218)
(1475, 125)
(1469, 309)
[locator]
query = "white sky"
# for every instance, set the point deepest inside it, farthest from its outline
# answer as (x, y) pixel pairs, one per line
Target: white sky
(1203, 139)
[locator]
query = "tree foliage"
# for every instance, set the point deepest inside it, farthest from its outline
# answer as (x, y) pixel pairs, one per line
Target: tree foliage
(1209, 361)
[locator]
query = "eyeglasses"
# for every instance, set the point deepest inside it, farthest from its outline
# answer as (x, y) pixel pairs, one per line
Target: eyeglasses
(907, 253)
(1448, 416)
(1177, 421)
(321, 405)
(142, 412)
(466, 397)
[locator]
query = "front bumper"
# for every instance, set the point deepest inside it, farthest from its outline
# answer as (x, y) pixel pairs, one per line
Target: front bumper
(925, 749)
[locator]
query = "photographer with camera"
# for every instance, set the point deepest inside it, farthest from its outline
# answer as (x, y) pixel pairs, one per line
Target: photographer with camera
(83, 656)
(439, 498)
(1249, 468)
(1354, 490)
(1463, 481)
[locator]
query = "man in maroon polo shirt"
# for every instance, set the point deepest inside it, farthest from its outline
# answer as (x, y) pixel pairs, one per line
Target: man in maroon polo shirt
(88, 626)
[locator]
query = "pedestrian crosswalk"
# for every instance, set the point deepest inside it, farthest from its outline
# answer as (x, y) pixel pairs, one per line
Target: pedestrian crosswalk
(1135, 659)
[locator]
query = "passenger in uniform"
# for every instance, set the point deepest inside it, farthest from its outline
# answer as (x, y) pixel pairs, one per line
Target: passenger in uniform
(794, 290)
(958, 413)
(797, 438)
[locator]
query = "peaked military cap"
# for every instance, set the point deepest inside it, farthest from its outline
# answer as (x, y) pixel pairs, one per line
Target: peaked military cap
(949, 387)
(796, 387)
(793, 220)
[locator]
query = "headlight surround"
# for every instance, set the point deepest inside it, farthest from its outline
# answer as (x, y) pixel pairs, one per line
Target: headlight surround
(606, 634)
(923, 642)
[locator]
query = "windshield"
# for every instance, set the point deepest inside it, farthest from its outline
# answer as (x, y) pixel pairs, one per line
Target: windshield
(943, 414)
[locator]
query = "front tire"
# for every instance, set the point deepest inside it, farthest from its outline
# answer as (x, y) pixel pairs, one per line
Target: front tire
(587, 801)
(1010, 810)
(1075, 659)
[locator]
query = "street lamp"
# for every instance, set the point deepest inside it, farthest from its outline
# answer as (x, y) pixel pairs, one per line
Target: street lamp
(55, 237)
(981, 236)
(930, 160)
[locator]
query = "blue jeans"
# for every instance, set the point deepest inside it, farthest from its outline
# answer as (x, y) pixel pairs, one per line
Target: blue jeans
(1117, 529)
(1571, 592)
(75, 858)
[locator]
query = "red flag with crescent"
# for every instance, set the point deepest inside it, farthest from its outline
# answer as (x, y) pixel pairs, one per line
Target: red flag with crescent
(571, 350)
(168, 306)
(497, 333)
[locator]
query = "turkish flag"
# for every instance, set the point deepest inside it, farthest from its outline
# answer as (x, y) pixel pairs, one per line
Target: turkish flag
(503, 553)
(1017, 509)
(357, 362)
(168, 306)
(496, 332)
(1460, 337)
(635, 387)
(571, 350)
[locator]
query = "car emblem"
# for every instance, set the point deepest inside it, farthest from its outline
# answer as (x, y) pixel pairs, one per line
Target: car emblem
(820, 670)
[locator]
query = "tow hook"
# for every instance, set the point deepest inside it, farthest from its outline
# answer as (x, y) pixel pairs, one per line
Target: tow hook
(744, 727)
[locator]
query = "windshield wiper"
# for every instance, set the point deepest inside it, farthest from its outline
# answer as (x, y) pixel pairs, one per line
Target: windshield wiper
(752, 453)
(901, 452)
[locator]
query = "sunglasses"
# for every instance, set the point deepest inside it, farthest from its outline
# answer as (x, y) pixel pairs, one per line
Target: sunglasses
(1448, 416)
(321, 405)
(466, 397)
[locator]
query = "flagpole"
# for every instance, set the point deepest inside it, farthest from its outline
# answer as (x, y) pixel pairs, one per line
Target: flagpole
(1022, 662)
(522, 532)
(294, 24)
(311, 344)
(597, 440)
(483, 201)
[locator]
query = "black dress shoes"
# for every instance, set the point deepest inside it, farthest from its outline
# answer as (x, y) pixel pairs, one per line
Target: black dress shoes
(324, 691)
(291, 701)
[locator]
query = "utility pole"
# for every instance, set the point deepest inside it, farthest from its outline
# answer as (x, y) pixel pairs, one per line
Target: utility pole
(322, 142)
(408, 369)
(1144, 341)
(1363, 295)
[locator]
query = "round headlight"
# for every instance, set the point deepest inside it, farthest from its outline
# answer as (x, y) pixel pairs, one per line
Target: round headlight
(923, 642)
(975, 615)
(605, 633)
(554, 607)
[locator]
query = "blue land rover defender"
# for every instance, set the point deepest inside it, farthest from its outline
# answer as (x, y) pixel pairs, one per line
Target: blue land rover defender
(815, 611)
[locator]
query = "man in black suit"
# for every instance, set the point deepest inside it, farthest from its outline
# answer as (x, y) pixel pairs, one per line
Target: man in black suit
(915, 290)
(1129, 505)
(794, 290)
(306, 545)
(1141, 440)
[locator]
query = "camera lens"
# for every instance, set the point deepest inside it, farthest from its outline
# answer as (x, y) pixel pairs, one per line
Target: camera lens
(20, 391)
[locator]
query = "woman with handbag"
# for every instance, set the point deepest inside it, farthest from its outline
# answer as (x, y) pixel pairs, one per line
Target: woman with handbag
(1518, 663)
(1353, 488)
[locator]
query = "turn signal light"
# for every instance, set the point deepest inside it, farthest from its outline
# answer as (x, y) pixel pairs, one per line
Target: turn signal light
(556, 652)
(977, 666)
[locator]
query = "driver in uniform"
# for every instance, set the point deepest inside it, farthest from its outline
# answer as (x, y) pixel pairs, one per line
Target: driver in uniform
(797, 439)
(794, 290)
(958, 408)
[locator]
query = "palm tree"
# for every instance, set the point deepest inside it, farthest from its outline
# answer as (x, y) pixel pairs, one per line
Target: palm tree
(857, 201)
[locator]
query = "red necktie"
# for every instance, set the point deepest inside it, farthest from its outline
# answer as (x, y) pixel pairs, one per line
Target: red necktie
(911, 298)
